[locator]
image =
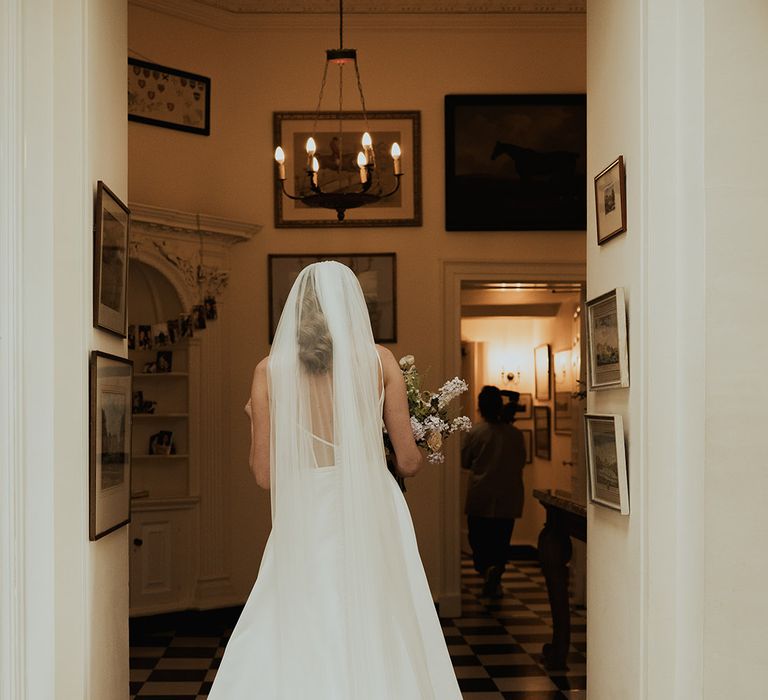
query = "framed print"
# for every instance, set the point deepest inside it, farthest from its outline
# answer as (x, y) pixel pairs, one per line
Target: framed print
(376, 273)
(606, 461)
(607, 350)
(611, 201)
(528, 440)
(339, 172)
(111, 228)
(541, 432)
(515, 162)
(111, 401)
(526, 403)
(542, 370)
(168, 97)
(563, 392)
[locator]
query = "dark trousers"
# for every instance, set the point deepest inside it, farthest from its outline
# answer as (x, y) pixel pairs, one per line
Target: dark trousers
(489, 539)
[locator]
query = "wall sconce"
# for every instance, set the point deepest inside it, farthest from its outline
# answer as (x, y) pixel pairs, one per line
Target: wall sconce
(510, 377)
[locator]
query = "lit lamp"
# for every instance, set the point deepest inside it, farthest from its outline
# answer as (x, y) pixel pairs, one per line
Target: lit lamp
(510, 377)
(371, 189)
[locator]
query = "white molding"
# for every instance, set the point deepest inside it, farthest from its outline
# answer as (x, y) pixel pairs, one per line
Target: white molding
(228, 231)
(459, 21)
(453, 273)
(12, 494)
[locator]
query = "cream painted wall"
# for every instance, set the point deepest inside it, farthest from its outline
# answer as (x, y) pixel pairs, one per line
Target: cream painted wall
(231, 174)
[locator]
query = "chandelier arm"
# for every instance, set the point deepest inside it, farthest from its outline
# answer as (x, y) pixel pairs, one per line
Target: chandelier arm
(315, 188)
(396, 188)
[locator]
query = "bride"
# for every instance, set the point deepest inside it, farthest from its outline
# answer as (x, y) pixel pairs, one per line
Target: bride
(341, 609)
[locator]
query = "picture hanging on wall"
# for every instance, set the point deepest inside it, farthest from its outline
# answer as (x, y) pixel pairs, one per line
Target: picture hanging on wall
(168, 97)
(515, 162)
(607, 349)
(611, 201)
(111, 401)
(542, 432)
(528, 440)
(339, 171)
(606, 461)
(563, 392)
(526, 404)
(376, 273)
(543, 372)
(111, 228)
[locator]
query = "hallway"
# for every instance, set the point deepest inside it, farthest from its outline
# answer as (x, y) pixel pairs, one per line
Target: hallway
(494, 646)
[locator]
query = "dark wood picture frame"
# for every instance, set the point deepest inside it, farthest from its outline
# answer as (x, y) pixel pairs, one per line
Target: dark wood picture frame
(528, 441)
(290, 129)
(175, 99)
(542, 363)
(515, 162)
(384, 326)
(610, 205)
(111, 231)
(526, 402)
(542, 431)
(110, 479)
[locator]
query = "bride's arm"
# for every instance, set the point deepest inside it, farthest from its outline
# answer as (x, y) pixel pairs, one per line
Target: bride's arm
(397, 418)
(259, 414)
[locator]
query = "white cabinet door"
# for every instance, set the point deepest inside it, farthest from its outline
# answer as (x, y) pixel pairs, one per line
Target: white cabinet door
(161, 575)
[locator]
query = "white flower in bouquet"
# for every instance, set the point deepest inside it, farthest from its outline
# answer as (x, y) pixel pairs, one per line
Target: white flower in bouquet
(452, 389)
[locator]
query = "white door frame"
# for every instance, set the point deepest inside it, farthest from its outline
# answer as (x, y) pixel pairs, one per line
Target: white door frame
(455, 272)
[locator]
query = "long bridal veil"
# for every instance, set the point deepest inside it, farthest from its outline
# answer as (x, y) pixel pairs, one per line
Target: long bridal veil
(325, 389)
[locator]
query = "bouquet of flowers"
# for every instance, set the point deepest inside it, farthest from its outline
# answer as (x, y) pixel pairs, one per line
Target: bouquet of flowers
(429, 413)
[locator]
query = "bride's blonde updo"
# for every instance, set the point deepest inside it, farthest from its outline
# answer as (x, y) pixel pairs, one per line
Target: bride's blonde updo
(314, 338)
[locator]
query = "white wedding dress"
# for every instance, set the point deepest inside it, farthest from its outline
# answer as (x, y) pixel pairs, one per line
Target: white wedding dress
(341, 608)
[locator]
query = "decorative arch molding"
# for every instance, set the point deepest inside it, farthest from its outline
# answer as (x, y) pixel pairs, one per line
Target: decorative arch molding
(171, 241)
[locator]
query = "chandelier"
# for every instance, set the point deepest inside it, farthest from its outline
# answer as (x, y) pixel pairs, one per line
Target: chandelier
(346, 195)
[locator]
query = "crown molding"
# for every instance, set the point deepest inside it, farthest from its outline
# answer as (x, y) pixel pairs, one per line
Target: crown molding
(227, 231)
(430, 16)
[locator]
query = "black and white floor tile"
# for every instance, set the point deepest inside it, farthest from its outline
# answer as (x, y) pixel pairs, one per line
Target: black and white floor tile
(495, 646)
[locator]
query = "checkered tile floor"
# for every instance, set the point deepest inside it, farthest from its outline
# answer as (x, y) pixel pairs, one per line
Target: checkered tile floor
(495, 646)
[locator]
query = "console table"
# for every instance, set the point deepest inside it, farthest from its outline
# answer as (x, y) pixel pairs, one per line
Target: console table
(565, 519)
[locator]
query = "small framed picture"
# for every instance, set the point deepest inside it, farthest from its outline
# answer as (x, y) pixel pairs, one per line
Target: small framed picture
(199, 317)
(211, 314)
(144, 338)
(606, 461)
(161, 443)
(607, 349)
(111, 226)
(526, 404)
(543, 372)
(186, 326)
(168, 97)
(160, 334)
(542, 431)
(164, 361)
(563, 392)
(376, 273)
(528, 440)
(111, 402)
(174, 331)
(611, 201)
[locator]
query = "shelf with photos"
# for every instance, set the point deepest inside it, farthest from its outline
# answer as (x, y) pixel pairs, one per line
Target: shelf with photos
(174, 331)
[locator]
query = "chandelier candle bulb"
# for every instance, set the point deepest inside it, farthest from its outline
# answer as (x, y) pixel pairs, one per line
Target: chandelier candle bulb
(280, 159)
(315, 168)
(362, 161)
(368, 147)
(396, 158)
(311, 150)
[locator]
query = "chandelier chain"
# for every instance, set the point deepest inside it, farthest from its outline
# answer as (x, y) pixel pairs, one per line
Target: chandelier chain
(341, 116)
(341, 24)
(362, 96)
(320, 96)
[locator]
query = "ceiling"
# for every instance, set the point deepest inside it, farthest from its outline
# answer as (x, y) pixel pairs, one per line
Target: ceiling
(249, 7)
(515, 300)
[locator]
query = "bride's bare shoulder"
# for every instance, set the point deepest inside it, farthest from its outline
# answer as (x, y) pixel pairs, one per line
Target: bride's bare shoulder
(385, 354)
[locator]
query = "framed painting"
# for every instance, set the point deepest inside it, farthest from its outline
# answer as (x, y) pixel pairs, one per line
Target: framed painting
(528, 441)
(606, 461)
(526, 404)
(563, 392)
(611, 201)
(542, 435)
(515, 162)
(111, 228)
(542, 372)
(339, 172)
(111, 401)
(168, 97)
(376, 273)
(607, 349)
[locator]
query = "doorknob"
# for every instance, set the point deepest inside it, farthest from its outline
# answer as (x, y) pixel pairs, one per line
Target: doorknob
(567, 464)
(138, 542)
